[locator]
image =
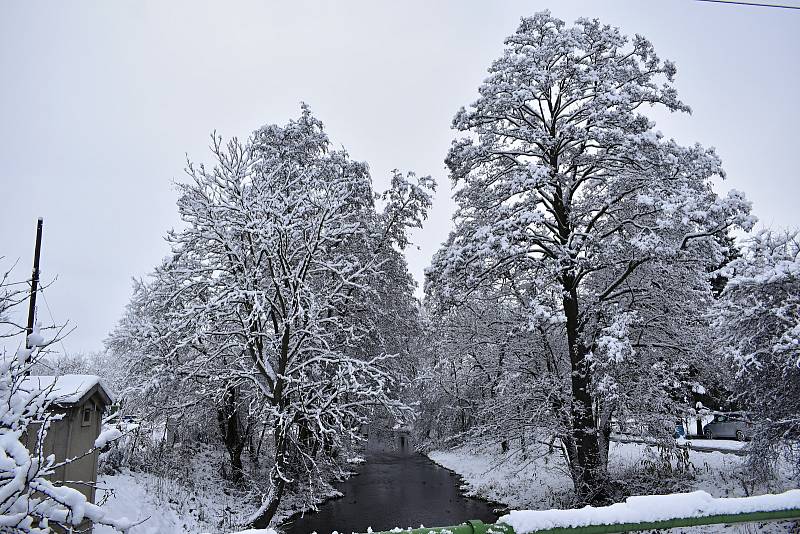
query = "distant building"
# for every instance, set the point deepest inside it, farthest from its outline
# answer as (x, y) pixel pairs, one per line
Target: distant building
(82, 400)
(394, 439)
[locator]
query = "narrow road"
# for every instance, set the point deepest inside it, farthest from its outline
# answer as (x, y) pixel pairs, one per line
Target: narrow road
(394, 490)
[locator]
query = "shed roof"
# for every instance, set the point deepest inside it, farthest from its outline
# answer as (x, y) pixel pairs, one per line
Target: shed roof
(66, 390)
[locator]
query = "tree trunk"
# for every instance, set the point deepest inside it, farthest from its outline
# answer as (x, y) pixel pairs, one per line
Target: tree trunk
(228, 419)
(273, 500)
(604, 443)
(281, 462)
(277, 485)
(570, 456)
(589, 475)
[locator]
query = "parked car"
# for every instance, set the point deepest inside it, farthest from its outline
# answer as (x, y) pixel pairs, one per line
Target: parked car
(728, 426)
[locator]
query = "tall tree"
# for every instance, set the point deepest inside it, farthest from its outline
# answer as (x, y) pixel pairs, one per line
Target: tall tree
(566, 189)
(271, 302)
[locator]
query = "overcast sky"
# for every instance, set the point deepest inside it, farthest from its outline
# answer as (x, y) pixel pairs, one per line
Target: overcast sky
(100, 102)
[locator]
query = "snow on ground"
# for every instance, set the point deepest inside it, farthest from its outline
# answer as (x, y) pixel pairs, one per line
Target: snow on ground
(510, 479)
(720, 444)
(692, 443)
(538, 480)
(649, 508)
(136, 497)
(194, 500)
(167, 507)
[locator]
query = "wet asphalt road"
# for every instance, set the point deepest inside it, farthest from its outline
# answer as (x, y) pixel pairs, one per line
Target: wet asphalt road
(394, 490)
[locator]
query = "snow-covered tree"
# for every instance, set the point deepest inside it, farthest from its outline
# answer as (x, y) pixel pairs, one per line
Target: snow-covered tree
(163, 381)
(31, 500)
(757, 326)
(272, 304)
(481, 369)
(565, 190)
(99, 363)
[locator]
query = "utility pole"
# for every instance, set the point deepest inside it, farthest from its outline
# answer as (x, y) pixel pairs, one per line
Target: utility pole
(34, 281)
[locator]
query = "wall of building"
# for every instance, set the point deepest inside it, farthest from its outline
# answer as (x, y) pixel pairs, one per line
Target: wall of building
(68, 438)
(80, 439)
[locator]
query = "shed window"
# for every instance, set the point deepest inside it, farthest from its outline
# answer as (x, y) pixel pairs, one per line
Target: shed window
(86, 418)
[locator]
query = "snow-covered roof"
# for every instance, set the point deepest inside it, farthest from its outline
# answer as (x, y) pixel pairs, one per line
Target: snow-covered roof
(68, 389)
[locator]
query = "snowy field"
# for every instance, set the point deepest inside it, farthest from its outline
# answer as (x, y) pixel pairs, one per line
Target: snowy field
(539, 481)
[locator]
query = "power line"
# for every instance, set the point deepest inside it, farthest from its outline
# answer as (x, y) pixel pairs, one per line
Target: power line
(752, 4)
(47, 305)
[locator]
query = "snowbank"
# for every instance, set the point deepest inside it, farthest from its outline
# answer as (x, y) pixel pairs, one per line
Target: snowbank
(649, 508)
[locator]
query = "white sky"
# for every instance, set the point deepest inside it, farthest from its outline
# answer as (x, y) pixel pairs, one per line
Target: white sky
(99, 102)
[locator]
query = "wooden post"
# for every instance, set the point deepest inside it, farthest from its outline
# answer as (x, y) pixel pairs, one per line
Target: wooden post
(34, 281)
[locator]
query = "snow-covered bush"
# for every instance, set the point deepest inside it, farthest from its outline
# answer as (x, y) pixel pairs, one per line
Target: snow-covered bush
(30, 499)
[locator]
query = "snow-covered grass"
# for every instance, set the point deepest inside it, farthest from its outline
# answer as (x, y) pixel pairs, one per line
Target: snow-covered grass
(539, 480)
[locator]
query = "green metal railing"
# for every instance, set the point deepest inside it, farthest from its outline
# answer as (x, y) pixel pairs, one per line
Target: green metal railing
(477, 527)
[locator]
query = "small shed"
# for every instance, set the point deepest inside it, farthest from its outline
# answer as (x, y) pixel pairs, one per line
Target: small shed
(82, 400)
